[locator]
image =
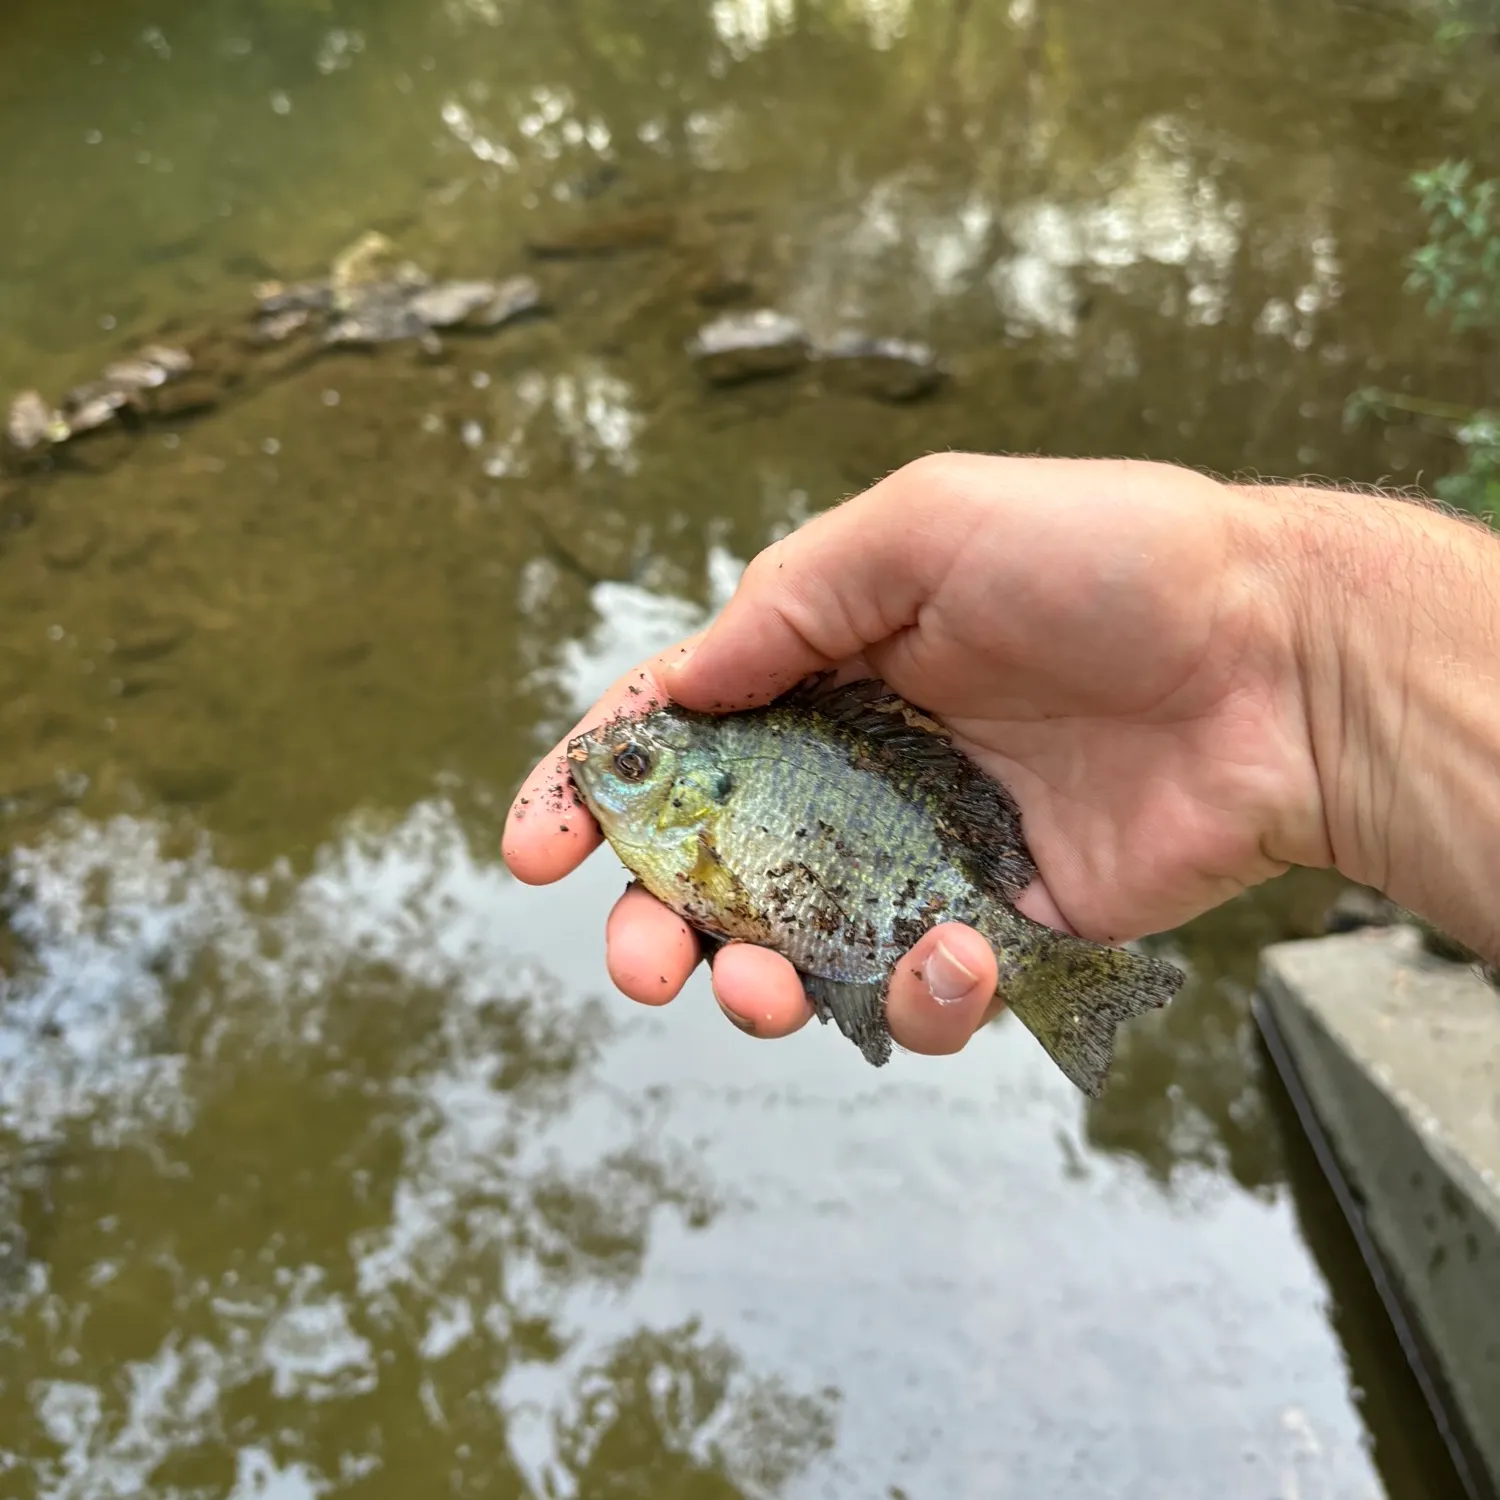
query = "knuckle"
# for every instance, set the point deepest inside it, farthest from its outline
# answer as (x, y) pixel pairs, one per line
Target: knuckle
(940, 478)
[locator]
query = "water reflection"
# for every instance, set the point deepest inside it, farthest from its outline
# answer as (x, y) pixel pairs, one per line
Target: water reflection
(1190, 1099)
(325, 1175)
(1162, 212)
(370, 1185)
(1058, 172)
(327, 1154)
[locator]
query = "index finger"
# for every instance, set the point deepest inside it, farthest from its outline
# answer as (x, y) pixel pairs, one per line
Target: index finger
(844, 583)
(548, 831)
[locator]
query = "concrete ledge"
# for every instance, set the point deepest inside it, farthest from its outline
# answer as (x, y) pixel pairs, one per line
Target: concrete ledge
(1399, 1053)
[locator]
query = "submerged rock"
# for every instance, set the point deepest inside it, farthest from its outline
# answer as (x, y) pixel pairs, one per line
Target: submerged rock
(91, 406)
(513, 298)
(369, 261)
(375, 299)
(148, 382)
(380, 314)
(152, 366)
(31, 423)
(475, 304)
(371, 294)
(277, 327)
(748, 345)
(274, 298)
(369, 297)
(888, 369)
(450, 302)
(123, 383)
(387, 313)
(744, 345)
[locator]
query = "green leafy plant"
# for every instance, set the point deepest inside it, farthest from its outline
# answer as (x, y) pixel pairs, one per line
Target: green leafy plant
(1476, 486)
(1459, 266)
(1457, 269)
(1462, 22)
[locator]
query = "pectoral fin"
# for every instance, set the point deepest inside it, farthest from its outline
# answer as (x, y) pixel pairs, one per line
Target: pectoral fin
(857, 1009)
(719, 901)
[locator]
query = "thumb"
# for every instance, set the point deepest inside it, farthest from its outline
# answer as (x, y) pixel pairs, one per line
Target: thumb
(942, 991)
(847, 580)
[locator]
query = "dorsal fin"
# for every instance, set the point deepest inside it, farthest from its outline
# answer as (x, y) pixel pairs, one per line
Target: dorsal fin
(894, 737)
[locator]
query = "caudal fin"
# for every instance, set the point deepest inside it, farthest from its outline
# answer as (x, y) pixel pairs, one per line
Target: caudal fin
(1072, 995)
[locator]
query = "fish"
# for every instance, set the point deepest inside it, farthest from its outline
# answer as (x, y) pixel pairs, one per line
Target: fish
(835, 826)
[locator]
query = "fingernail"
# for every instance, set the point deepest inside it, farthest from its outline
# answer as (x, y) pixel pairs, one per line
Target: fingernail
(947, 979)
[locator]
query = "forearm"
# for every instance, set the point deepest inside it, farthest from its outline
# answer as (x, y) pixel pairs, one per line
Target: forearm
(1399, 624)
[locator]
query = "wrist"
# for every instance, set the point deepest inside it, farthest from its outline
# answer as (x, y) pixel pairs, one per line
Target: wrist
(1397, 638)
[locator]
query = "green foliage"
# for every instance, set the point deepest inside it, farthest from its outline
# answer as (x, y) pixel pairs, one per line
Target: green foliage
(1459, 265)
(1461, 22)
(1476, 487)
(1457, 268)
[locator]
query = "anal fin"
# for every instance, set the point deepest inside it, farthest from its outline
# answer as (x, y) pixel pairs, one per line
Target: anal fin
(857, 1009)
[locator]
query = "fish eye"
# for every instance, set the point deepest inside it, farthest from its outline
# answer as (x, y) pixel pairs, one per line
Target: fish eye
(632, 763)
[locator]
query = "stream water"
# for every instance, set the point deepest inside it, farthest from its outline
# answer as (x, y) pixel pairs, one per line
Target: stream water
(332, 1165)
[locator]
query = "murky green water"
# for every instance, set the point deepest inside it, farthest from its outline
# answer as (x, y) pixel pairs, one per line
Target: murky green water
(333, 1167)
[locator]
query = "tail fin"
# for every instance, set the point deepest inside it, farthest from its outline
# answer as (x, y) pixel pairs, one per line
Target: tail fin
(1071, 995)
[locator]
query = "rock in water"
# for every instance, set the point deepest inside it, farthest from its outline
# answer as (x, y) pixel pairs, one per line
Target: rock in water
(475, 304)
(90, 407)
(32, 424)
(744, 346)
(368, 261)
(153, 366)
(277, 327)
(888, 369)
(274, 297)
(447, 303)
(377, 314)
(513, 298)
(836, 827)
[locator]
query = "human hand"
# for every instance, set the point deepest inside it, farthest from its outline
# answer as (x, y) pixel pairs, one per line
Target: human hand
(1116, 642)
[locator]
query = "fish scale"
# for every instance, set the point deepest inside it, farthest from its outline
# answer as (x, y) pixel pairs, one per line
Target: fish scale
(836, 826)
(781, 828)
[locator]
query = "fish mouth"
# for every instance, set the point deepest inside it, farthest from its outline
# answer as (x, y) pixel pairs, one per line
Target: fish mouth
(592, 755)
(590, 759)
(584, 755)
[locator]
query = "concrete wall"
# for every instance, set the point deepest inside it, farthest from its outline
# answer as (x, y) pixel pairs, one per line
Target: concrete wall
(1400, 1055)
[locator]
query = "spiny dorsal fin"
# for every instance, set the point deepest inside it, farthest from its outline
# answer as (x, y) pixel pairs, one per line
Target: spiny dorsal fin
(906, 744)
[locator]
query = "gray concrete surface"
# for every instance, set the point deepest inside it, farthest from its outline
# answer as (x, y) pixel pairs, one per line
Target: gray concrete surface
(1400, 1054)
